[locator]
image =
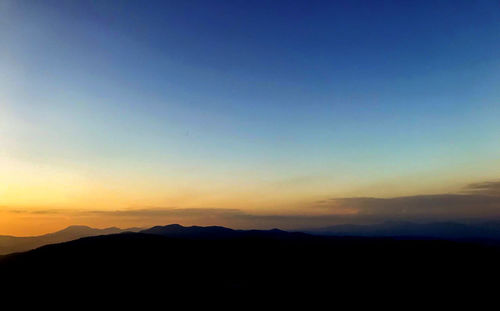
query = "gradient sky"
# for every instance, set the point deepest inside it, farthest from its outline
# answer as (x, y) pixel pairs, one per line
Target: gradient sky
(250, 108)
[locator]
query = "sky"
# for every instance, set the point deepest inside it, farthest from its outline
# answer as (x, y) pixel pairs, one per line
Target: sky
(250, 114)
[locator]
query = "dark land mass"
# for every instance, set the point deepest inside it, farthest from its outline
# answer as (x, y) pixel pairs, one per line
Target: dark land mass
(14, 244)
(173, 261)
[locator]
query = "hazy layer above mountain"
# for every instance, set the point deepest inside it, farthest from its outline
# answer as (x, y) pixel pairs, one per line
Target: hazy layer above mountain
(12, 244)
(442, 230)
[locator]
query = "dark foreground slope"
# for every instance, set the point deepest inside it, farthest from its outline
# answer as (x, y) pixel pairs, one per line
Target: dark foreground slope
(151, 265)
(13, 244)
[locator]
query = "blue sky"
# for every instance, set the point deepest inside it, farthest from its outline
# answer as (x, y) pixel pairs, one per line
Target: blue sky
(340, 95)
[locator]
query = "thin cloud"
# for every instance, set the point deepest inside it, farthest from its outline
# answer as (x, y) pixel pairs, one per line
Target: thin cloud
(486, 188)
(160, 211)
(476, 200)
(442, 205)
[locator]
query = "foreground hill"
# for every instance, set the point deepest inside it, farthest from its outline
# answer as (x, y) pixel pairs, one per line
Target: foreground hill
(13, 244)
(267, 262)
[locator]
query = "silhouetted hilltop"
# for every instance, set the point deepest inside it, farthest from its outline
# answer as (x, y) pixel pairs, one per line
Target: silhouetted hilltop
(176, 230)
(215, 232)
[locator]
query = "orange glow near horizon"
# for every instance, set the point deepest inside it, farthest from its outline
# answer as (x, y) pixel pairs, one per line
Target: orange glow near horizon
(38, 199)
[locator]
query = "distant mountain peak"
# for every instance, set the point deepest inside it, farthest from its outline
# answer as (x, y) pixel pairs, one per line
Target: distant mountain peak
(173, 226)
(276, 230)
(74, 228)
(78, 227)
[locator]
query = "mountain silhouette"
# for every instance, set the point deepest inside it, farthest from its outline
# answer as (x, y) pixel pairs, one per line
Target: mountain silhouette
(215, 232)
(12, 244)
(221, 262)
(484, 232)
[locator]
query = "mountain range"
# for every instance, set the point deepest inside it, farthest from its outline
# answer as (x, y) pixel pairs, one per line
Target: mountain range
(167, 262)
(486, 232)
(215, 232)
(438, 230)
(12, 244)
